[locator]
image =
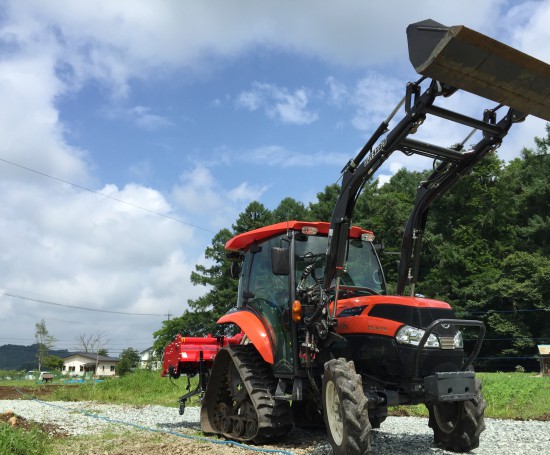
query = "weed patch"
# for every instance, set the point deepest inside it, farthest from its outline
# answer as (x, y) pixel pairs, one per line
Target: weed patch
(27, 439)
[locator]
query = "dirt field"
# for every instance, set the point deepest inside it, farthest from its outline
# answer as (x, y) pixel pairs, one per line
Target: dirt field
(11, 393)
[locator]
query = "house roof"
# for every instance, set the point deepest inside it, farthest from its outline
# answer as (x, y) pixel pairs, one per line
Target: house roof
(88, 355)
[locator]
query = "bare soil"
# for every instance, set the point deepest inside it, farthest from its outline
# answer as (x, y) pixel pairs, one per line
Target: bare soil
(16, 421)
(11, 393)
(153, 444)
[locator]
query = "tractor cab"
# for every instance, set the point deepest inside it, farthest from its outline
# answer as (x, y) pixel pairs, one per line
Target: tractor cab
(280, 263)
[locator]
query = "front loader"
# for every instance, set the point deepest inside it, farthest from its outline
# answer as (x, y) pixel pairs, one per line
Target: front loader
(323, 343)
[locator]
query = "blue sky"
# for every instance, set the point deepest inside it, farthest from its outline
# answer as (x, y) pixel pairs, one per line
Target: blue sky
(191, 110)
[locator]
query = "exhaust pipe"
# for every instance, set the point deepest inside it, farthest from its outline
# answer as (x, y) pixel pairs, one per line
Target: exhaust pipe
(471, 61)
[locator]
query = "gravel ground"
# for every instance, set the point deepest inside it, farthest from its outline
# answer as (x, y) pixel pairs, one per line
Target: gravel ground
(398, 435)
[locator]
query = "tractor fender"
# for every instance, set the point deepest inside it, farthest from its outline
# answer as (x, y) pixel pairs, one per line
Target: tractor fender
(254, 329)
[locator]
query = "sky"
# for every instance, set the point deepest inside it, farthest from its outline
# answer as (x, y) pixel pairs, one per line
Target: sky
(133, 131)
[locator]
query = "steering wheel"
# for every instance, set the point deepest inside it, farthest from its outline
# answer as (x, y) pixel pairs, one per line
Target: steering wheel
(354, 289)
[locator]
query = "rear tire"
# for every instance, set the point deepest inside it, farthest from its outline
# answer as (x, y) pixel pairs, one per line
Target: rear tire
(345, 409)
(457, 425)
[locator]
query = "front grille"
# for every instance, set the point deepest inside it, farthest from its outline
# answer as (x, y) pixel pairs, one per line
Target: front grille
(447, 342)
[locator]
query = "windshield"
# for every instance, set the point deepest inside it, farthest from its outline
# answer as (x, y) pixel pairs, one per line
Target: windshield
(361, 270)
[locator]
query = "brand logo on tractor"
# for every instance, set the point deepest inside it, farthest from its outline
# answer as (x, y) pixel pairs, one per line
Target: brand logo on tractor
(378, 328)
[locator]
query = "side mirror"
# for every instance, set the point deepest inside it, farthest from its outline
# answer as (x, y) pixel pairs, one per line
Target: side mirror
(280, 263)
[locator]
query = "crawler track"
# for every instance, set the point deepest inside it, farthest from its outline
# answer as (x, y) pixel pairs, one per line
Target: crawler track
(240, 398)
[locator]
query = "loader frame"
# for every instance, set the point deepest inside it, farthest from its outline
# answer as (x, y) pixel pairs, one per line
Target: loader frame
(247, 398)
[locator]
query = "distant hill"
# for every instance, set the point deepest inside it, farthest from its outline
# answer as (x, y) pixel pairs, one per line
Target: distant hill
(17, 357)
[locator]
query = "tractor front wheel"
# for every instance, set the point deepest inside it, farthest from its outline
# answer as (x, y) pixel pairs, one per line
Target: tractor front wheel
(345, 409)
(457, 425)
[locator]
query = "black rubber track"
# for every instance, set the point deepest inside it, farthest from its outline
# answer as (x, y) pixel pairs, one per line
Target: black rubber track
(273, 417)
(353, 408)
(465, 423)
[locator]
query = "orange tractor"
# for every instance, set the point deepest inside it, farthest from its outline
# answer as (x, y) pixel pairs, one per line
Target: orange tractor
(322, 342)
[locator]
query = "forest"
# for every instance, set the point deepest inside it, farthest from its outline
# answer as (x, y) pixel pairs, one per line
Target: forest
(486, 251)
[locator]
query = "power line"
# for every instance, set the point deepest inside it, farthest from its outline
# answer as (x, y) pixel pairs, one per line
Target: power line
(509, 339)
(9, 294)
(179, 220)
(510, 311)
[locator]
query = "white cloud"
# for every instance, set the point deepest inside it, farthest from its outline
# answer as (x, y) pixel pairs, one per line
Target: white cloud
(200, 193)
(529, 23)
(291, 108)
(145, 119)
(117, 42)
(141, 116)
(75, 247)
(32, 135)
(140, 170)
(251, 100)
(78, 248)
(338, 92)
(274, 155)
(375, 96)
(279, 103)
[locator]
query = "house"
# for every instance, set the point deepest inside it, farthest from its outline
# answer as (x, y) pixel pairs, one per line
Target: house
(544, 355)
(148, 359)
(84, 363)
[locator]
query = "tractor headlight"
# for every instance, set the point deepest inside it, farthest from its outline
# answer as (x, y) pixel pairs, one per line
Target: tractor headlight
(412, 335)
(459, 342)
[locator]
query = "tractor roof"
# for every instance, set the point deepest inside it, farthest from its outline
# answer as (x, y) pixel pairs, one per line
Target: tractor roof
(242, 241)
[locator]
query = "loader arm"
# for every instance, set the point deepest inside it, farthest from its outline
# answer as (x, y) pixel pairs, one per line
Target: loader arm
(455, 58)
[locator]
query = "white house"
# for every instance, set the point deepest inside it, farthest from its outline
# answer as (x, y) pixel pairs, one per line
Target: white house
(81, 363)
(148, 359)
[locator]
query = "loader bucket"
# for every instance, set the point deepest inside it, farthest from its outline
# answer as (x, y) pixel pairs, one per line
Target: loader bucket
(468, 60)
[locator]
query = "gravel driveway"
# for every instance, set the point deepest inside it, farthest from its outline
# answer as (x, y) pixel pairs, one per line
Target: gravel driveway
(398, 435)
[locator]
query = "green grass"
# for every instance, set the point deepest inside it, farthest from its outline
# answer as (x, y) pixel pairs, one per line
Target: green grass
(508, 395)
(142, 387)
(520, 396)
(516, 395)
(17, 441)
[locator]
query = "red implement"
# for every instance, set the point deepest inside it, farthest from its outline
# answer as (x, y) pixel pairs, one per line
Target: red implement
(183, 355)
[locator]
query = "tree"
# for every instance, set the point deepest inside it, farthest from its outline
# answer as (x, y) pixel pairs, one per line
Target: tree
(44, 341)
(53, 363)
(290, 209)
(222, 295)
(190, 323)
(486, 249)
(323, 208)
(129, 360)
(517, 304)
(92, 343)
(200, 319)
(254, 216)
(529, 196)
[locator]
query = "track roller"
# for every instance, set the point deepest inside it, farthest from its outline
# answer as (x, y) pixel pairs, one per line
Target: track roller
(240, 398)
